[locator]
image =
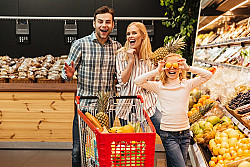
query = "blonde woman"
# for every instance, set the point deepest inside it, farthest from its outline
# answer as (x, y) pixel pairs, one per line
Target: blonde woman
(173, 94)
(133, 60)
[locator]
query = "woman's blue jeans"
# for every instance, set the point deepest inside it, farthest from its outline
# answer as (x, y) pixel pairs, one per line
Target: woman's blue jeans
(176, 146)
(156, 120)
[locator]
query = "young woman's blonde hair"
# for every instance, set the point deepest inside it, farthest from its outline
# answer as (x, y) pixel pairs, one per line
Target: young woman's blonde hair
(163, 75)
(146, 49)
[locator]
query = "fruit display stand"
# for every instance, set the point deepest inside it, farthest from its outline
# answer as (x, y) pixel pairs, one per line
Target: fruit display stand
(223, 42)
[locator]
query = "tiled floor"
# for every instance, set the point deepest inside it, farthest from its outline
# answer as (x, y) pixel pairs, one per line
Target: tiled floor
(35, 158)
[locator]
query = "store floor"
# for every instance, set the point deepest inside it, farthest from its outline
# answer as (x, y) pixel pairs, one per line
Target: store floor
(35, 158)
(38, 158)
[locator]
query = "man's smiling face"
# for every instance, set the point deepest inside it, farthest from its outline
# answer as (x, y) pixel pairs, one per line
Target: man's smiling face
(103, 25)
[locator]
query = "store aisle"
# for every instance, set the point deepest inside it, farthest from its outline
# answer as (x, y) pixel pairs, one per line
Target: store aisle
(35, 158)
(41, 158)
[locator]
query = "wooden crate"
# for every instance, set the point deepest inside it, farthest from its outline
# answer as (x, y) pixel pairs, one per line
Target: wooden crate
(36, 116)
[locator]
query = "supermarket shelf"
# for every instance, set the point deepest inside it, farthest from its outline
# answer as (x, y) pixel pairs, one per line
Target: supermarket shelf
(37, 87)
(196, 156)
(238, 41)
(244, 127)
(237, 8)
(222, 64)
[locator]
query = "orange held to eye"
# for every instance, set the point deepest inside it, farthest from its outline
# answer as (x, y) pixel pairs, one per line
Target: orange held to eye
(212, 69)
(175, 65)
(168, 65)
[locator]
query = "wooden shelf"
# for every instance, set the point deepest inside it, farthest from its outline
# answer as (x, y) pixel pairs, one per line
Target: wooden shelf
(38, 87)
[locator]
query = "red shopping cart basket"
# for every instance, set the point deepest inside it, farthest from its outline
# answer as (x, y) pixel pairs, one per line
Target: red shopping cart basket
(100, 149)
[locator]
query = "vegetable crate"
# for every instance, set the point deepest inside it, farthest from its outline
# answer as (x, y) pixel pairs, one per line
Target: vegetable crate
(104, 149)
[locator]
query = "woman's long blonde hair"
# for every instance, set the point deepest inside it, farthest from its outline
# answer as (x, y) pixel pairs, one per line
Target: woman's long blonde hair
(163, 75)
(146, 49)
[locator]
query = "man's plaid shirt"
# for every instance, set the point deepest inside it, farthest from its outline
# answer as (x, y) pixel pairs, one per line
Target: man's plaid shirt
(95, 65)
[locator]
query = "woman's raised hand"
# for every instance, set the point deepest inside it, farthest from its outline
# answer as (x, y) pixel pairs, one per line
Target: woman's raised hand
(69, 70)
(131, 54)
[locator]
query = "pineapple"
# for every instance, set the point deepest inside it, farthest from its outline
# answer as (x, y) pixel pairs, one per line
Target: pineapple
(102, 104)
(171, 47)
(202, 111)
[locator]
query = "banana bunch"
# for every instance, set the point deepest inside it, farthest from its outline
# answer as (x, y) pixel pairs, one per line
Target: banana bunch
(116, 129)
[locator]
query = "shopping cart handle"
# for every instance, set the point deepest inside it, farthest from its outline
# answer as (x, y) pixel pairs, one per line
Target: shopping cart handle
(129, 97)
(115, 97)
(84, 97)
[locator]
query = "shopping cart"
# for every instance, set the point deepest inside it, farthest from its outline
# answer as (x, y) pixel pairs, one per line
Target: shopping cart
(100, 149)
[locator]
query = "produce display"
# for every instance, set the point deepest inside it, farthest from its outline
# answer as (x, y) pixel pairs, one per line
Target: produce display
(199, 109)
(223, 34)
(240, 102)
(226, 83)
(235, 55)
(214, 131)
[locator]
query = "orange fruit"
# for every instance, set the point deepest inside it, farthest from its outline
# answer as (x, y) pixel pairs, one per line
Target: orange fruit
(193, 109)
(214, 159)
(190, 113)
(194, 106)
(201, 100)
(221, 162)
(240, 152)
(128, 129)
(168, 65)
(212, 163)
(227, 156)
(175, 65)
(212, 69)
(205, 96)
(246, 153)
(219, 157)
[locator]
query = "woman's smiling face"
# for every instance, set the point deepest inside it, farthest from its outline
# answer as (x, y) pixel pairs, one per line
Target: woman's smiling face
(134, 37)
(173, 73)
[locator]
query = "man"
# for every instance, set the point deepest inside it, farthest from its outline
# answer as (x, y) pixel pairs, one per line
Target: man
(93, 57)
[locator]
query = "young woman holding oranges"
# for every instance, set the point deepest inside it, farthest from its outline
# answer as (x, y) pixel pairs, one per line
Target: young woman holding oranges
(173, 92)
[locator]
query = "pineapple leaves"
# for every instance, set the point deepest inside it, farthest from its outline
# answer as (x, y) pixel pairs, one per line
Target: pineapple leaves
(103, 101)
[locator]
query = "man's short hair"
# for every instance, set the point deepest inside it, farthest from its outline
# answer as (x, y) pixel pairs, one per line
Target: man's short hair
(103, 10)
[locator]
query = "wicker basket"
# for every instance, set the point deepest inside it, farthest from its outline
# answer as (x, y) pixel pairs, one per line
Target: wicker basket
(21, 80)
(49, 80)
